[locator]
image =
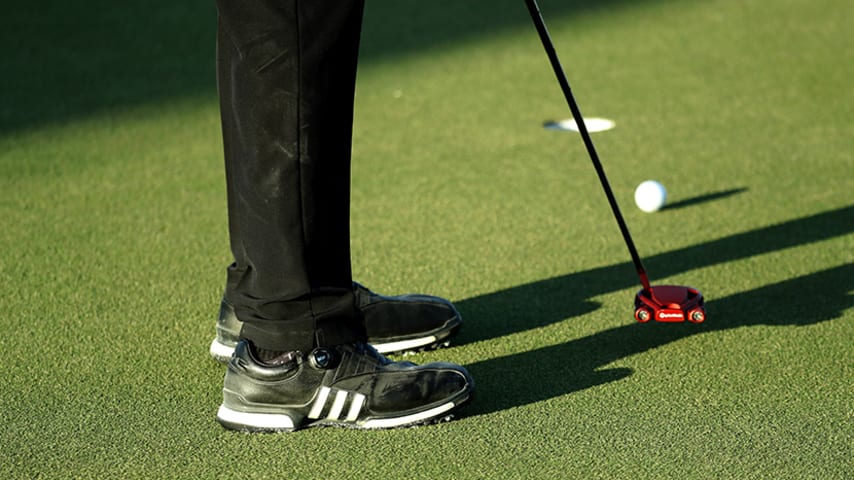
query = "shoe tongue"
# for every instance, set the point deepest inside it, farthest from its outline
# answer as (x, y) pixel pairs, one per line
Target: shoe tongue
(275, 358)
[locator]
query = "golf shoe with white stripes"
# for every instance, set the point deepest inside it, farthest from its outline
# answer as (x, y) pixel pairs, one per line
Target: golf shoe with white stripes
(349, 385)
(394, 324)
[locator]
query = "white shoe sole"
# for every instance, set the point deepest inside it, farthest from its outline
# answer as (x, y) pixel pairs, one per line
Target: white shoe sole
(274, 422)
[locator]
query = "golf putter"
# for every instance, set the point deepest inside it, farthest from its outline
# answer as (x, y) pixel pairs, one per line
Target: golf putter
(662, 303)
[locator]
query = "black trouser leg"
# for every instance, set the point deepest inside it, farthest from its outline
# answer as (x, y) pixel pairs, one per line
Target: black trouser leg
(286, 78)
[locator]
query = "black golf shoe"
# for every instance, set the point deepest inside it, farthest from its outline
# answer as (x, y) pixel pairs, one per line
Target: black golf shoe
(396, 324)
(350, 386)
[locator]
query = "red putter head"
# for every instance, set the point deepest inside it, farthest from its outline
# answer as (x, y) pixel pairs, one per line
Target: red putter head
(669, 303)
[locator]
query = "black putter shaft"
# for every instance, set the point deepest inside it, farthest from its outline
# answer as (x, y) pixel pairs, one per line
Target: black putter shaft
(537, 17)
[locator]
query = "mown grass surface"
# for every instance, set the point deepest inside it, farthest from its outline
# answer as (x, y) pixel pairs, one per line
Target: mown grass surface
(114, 240)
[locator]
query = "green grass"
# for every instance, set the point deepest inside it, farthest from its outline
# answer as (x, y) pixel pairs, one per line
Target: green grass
(114, 240)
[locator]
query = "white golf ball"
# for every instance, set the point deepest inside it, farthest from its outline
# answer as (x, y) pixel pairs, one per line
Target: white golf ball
(650, 196)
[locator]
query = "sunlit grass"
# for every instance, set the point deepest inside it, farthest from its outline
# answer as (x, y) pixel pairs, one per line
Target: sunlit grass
(115, 242)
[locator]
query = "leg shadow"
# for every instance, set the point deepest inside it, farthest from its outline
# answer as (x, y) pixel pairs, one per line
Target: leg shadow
(556, 299)
(537, 375)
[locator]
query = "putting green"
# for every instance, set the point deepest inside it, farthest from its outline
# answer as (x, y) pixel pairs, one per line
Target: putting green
(115, 242)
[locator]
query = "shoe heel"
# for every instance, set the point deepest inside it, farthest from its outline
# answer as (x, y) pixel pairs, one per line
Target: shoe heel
(254, 422)
(220, 351)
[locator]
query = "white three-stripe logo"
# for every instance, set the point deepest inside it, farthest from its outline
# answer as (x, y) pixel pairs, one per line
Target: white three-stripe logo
(339, 401)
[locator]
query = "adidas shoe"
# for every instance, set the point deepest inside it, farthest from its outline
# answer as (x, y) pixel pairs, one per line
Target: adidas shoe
(350, 386)
(396, 324)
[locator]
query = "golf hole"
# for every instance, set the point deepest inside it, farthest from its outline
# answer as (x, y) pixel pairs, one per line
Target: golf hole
(593, 125)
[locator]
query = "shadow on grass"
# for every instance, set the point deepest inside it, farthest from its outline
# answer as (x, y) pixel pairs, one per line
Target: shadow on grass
(65, 60)
(553, 371)
(558, 370)
(709, 197)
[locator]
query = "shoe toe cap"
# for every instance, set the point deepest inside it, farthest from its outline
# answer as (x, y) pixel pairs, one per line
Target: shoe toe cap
(421, 387)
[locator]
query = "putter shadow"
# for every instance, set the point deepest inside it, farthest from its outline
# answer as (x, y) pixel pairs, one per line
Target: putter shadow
(579, 364)
(709, 197)
(556, 299)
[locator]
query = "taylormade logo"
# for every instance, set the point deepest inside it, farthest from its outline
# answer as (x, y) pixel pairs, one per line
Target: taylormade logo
(669, 315)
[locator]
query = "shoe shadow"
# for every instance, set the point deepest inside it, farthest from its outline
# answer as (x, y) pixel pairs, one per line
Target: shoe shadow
(548, 372)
